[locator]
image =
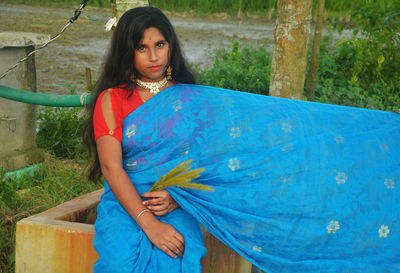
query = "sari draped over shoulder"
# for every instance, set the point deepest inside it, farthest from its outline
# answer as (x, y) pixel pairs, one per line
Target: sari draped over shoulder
(299, 186)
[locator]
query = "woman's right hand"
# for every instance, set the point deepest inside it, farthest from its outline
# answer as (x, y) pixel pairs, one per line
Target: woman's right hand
(166, 238)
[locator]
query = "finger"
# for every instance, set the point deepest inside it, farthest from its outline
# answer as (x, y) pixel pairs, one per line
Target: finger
(160, 213)
(177, 251)
(180, 238)
(169, 252)
(153, 202)
(164, 194)
(158, 207)
(176, 247)
(180, 247)
(179, 243)
(151, 194)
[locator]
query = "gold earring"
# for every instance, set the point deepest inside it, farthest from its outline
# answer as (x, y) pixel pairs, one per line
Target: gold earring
(133, 77)
(169, 73)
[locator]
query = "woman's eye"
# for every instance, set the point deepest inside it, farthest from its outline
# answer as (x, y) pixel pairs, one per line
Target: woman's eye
(160, 44)
(140, 48)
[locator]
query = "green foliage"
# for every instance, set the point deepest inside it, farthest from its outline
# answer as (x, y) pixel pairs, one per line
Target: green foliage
(54, 182)
(335, 8)
(93, 3)
(215, 6)
(337, 84)
(59, 131)
(100, 3)
(375, 56)
(346, 6)
(246, 69)
(364, 71)
(249, 69)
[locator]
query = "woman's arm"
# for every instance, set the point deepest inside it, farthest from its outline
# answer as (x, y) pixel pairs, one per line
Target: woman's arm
(162, 235)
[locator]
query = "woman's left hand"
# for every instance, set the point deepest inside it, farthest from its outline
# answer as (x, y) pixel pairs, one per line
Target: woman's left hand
(159, 202)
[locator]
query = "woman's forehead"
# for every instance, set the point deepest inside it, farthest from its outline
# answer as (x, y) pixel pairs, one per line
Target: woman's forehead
(152, 34)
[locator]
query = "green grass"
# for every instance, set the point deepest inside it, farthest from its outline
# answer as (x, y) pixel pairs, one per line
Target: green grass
(92, 3)
(216, 6)
(54, 182)
(339, 9)
(59, 131)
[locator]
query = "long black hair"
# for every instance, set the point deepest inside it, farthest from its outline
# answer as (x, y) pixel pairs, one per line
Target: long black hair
(119, 67)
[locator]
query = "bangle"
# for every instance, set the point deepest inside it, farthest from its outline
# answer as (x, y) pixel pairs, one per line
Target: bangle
(140, 214)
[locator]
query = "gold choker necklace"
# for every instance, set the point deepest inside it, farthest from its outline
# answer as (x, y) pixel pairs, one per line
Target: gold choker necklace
(154, 87)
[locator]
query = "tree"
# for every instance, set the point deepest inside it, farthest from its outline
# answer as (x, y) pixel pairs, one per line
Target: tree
(120, 6)
(289, 60)
(312, 72)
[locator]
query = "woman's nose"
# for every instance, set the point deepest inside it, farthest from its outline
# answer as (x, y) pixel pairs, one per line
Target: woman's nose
(153, 55)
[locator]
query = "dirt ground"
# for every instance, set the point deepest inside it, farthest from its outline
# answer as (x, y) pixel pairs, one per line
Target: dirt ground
(62, 63)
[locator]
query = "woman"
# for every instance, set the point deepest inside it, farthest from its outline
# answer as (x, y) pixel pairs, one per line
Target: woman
(144, 50)
(299, 186)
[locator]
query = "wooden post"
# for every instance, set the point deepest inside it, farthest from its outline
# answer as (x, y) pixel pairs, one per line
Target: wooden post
(89, 86)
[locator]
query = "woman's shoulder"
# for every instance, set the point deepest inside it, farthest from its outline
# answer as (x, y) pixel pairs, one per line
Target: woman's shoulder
(118, 92)
(121, 99)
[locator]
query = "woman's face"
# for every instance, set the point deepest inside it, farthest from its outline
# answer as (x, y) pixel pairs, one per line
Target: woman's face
(151, 56)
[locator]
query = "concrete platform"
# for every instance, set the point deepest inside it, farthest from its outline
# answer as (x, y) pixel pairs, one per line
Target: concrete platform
(60, 240)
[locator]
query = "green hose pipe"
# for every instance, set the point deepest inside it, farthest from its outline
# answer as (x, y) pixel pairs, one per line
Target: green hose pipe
(44, 99)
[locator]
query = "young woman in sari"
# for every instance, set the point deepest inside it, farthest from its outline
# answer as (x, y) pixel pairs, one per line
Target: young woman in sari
(144, 57)
(299, 186)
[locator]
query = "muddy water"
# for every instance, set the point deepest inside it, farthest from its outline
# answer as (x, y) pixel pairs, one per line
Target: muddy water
(84, 44)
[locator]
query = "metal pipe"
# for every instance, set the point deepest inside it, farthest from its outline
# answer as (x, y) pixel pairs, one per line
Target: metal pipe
(44, 99)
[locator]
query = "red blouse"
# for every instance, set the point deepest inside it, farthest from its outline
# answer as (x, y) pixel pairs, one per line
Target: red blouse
(122, 106)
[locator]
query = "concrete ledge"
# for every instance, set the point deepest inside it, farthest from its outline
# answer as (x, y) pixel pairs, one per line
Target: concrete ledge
(22, 39)
(60, 240)
(20, 159)
(49, 242)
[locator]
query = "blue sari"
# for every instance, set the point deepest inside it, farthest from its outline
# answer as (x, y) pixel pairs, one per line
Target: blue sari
(299, 186)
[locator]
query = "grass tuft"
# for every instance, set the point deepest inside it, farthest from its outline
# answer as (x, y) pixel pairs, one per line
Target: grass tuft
(54, 182)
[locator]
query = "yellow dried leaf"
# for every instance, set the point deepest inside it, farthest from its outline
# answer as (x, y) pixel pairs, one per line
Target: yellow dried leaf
(196, 186)
(180, 176)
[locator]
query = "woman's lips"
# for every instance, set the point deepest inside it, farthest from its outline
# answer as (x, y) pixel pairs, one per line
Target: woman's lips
(155, 68)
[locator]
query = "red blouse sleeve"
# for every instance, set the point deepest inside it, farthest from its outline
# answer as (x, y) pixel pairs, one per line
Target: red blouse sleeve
(122, 106)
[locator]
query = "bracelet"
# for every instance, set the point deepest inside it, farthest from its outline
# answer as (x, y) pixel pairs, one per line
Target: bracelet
(140, 214)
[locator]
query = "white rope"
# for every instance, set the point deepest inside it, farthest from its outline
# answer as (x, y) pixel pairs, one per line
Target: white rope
(82, 98)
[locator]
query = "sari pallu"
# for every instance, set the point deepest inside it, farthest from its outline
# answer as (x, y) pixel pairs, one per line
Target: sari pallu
(299, 186)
